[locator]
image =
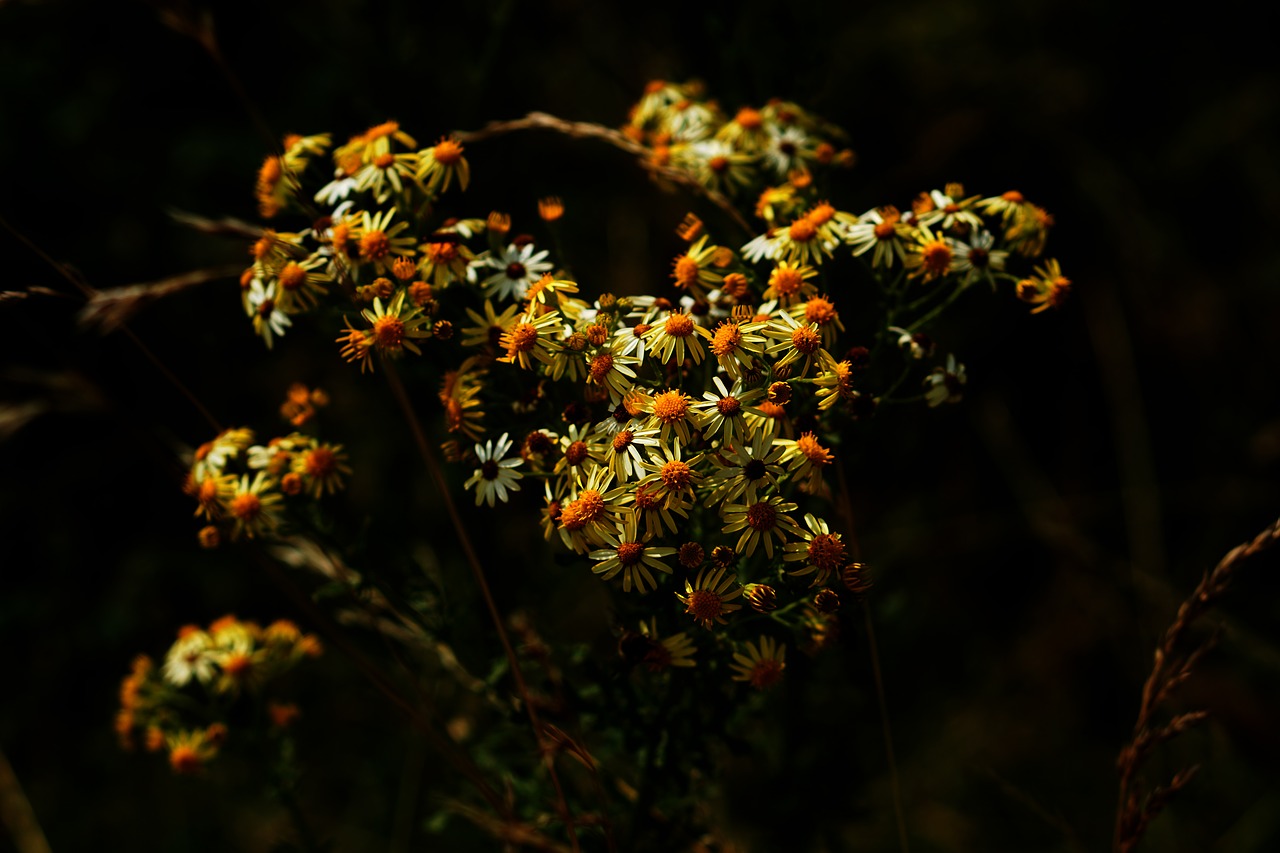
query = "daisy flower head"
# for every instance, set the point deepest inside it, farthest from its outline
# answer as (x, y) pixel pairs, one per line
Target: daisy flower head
(386, 173)
(822, 552)
(672, 411)
(445, 259)
(211, 457)
(945, 384)
(322, 468)
(1009, 206)
(514, 270)
(801, 242)
(882, 232)
(496, 477)
(676, 335)
(795, 342)
(658, 510)
(578, 455)
(693, 271)
(189, 657)
(977, 257)
(530, 339)
(621, 451)
(1028, 233)
(460, 396)
(487, 330)
(761, 522)
(789, 283)
(949, 209)
(723, 414)
(302, 283)
(269, 319)
(835, 383)
(746, 469)
(665, 652)
(762, 665)
(254, 506)
(930, 255)
(380, 242)
(671, 478)
(395, 326)
(612, 371)
(594, 510)
(716, 165)
(787, 149)
(1049, 288)
(806, 458)
(627, 553)
(440, 164)
(745, 131)
(709, 598)
(820, 311)
(736, 345)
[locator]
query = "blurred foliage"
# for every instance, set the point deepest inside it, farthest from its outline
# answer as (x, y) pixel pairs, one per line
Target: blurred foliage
(1028, 545)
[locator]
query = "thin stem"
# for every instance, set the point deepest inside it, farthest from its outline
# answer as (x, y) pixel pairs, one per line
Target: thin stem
(433, 467)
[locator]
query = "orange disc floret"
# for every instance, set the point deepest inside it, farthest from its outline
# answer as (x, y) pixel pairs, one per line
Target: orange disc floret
(749, 119)
(600, 367)
(184, 759)
(590, 505)
(238, 665)
(384, 161)
(685, 272)
(447, 152)
(522, 337)
(646, 498)
(670, 406)
(766, 673)
(761, 516)
(380, 130)
(806, 340)
(576, 453)
(678, 325)
(319, 462)
(802, 230)
(263, 245)
(623, 440)
(734, 285)
(935, 258)
(821, 214)
(629, 553)
(291, 484)
(704, 605)
(728, 405)
(826, 552)
(812, 450)
(388, 332)
(374, 245)
(819, 310)
(726, 339)
(292, 276)
(675, 475)
(786, 281)
(246, 506)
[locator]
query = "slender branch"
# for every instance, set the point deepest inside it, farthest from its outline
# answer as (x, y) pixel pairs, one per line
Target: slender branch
(433, 467)
(16, 813)
(587, 130)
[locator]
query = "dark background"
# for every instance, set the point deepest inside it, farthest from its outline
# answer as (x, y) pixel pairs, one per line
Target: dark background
(1028, 545)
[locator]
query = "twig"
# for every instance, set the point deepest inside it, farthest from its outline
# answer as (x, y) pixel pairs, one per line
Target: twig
(16, 813)
(433, 467)
(109, 309)
(1133, 814)
(588, 130)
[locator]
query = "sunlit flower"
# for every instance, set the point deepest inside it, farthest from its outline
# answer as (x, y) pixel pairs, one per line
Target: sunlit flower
(723, 414)
(883, 230)
(495, 477)
(440, 164)
(823, 553)
(760, 522)
(254, 506)
(629, 554)
(515, 270)
(709, 598)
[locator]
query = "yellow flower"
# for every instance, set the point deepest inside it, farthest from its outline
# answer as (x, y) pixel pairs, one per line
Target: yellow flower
(708, 599)
(762, 665)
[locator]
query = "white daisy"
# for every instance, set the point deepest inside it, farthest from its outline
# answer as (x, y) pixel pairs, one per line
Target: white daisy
(268, 320)
(190, 657)
(517, 268)
(495, 477)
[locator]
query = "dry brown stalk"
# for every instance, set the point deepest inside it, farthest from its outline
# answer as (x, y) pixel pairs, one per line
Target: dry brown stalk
(588, 130)
(109, 309)
(1134, 811)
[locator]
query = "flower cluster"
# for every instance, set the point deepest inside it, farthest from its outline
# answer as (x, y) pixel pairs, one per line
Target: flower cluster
(683, 439)
(242, 488)
(183, 705)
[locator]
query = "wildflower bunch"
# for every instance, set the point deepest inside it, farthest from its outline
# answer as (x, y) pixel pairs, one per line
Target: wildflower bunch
(244, 489)
(184, 706)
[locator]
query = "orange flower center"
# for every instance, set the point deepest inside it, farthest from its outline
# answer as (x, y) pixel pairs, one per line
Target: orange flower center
(623, 440)
(523, 337)
(375, 245)
(761, 516)
(388, 332)
(726, 339)
(704, 604)
(935, 257)
(802, 230)
(822, 214)
(292, 276)
(675, 475)
(1013, 197)
(718, 164)
(787, 281)
(238, 665)
(575, 453)
(686, 271)
(384, 161)
(646, 499)
(208, 490)
(629, 553)
(184, 759)
(679, 325)
(670, 406)
(749, 119)
(806, 340)
(441, 253)
(728, 406)
(600, 366)
(320, 462)
(771, 410)
(246, 507)
(447, 152)
(766, 673)
(808, 445)
(826, 551)
(885, 230)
